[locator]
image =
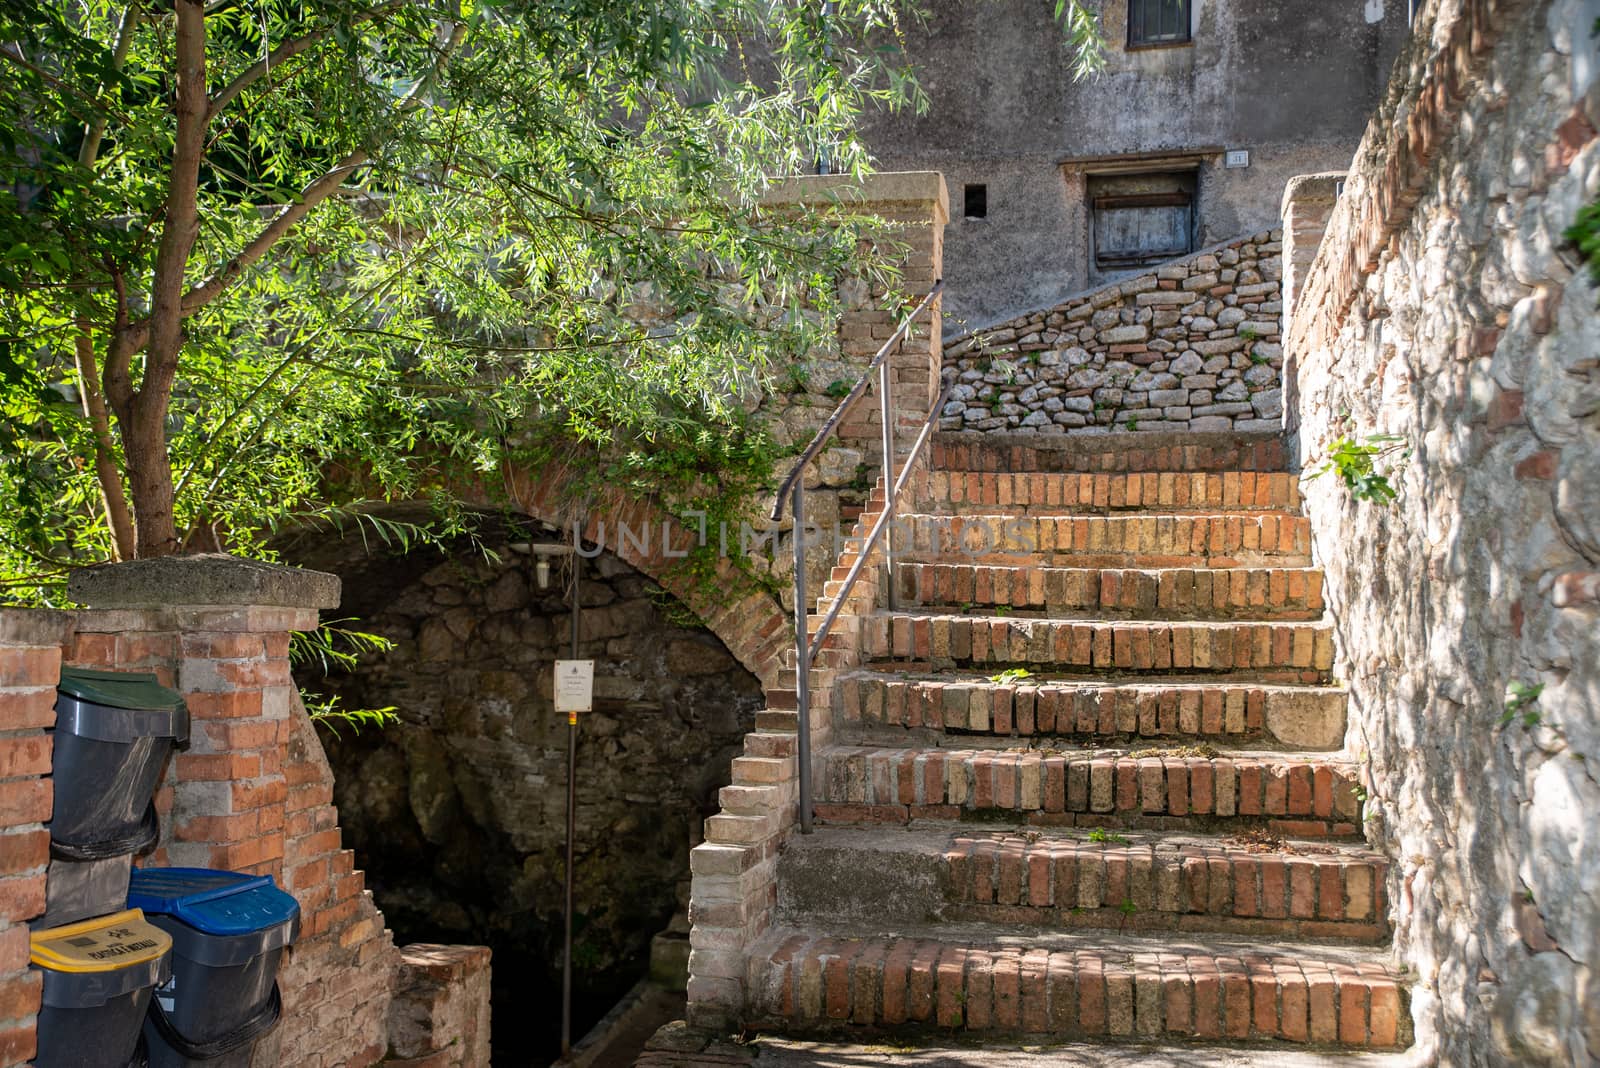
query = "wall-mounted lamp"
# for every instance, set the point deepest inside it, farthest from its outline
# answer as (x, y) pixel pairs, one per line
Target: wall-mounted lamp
(541, 551)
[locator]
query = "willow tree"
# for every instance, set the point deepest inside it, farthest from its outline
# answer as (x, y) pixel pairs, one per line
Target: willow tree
(247, 242)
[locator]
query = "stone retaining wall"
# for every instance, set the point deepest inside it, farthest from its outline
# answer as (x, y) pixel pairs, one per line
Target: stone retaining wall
(1445, 307)
(1190, 345)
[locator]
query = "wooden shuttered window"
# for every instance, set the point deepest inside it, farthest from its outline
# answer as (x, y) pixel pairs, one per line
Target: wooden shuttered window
(1141, 219)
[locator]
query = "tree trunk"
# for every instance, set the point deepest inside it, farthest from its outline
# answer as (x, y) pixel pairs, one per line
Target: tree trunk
(144, 443)
(143, 417)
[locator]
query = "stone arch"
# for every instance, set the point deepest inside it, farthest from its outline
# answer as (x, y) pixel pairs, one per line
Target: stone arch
(752, 624)
(456, 811)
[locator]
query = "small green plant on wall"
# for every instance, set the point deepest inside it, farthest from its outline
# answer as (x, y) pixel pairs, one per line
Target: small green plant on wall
(1521, 703)
(1356, 463)
(1585, 234)
(1585, 229)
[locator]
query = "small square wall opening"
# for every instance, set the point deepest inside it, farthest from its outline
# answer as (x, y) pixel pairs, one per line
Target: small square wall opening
(975, 201)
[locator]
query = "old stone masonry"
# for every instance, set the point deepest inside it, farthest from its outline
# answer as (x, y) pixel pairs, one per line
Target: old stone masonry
(1152, 737)
(1191, 345)
(1088, 780)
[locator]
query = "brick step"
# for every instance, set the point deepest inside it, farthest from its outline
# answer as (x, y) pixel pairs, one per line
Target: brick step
(1135, 646)
(1122, 593)
(929, 874)
(991, 981)
(1309, 795)
(1297, 716)
(1042, 493)
(1143, 540)
(1114, 452)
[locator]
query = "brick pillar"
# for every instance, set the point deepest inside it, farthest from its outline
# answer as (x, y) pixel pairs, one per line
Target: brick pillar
(916, 206)
(223, 626)
(253, 792)
(440, 1014)
(1307, 206)
(30, 667)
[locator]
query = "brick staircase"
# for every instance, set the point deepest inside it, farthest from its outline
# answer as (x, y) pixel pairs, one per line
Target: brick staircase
(1149, 831)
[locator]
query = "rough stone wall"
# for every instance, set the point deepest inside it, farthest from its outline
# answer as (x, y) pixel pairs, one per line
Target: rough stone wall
(1192, 345)
(459, 810)
(1445, 307)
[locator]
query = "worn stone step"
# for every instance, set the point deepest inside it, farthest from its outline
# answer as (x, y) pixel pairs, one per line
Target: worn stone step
(1135, 882)
(1142, 540)
(1288, 649)
(1149, 451)
(1038, 706)
(1042, 493)
(1121, 593)
(1297, 795)
(992, 981)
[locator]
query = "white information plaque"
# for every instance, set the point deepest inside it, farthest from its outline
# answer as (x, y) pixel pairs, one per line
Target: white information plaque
(574, 685)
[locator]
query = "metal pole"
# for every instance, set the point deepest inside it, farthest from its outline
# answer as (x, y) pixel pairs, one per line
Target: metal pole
(572, 806)
(886, 413)
(802, 659)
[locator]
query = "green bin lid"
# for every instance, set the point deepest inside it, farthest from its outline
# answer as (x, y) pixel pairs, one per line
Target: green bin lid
(118, 689)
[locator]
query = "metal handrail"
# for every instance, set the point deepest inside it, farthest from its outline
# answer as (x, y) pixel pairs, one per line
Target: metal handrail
(793, 490)
(849, 401)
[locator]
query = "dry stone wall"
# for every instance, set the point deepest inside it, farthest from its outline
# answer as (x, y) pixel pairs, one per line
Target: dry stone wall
(1445, 307)
(1191, 345)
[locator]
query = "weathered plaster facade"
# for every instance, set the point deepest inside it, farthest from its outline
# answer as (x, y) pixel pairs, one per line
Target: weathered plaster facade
(1290, 81)
(1445, 306)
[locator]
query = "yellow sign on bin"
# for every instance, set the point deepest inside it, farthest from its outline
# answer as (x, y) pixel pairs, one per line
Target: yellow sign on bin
(103, 944)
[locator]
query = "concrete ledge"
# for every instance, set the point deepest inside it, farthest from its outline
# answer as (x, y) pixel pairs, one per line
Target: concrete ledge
(888, 187)
(210, 579)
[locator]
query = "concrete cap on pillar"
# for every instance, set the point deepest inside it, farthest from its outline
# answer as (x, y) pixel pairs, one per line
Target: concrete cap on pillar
(885, 187)
(1311, 189)
(209, 579)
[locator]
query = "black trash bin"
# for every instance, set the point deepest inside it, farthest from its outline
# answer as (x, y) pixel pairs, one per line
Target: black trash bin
(98, 977)
(114, 731)
(228, 932)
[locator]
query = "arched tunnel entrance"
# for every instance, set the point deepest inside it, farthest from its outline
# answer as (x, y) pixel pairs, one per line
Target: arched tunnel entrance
(457, 812)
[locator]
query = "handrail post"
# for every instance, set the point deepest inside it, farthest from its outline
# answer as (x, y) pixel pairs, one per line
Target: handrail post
(802, 659)
(886, 410)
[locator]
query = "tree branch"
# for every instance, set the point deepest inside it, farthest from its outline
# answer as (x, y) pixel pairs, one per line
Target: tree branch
(181, 224)
(286, 50)
(116, 383)
(118, 517)
(119, 56)
(313, 194)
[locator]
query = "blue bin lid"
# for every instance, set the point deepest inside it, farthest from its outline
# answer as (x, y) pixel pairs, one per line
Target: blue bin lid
(220, 903)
